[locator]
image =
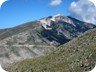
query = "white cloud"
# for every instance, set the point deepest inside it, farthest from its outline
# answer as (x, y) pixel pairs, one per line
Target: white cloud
(55, 2)
(93, 1)
(84, 10)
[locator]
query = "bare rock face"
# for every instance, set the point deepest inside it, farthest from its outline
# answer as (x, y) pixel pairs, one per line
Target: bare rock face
(39, 37)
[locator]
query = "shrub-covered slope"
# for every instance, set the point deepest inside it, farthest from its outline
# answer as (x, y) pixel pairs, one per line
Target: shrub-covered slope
(78, 55)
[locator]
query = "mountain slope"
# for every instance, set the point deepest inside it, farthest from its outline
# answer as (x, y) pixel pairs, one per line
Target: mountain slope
(38, 37)
(49, 29)
(78, 55)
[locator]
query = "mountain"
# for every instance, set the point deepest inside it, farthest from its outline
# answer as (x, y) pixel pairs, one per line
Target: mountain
(78, 55)
(38, 37)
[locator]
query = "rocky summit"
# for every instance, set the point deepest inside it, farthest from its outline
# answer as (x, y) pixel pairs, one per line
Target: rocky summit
(39, 37)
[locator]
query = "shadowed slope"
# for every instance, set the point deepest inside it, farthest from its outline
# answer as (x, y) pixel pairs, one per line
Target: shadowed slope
(78, 55)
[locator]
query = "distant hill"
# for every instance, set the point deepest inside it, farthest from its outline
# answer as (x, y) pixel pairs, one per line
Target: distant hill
(39, 37)
(78, 55)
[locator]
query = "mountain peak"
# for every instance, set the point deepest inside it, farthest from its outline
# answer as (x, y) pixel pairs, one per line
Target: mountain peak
(46, 22)
(37, 38)
(57, 15)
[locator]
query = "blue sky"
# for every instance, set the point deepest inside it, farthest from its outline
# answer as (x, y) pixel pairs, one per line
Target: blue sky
(16, 12)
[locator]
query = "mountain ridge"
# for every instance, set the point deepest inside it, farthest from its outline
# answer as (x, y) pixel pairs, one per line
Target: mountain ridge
(78, 55)
(27, 40)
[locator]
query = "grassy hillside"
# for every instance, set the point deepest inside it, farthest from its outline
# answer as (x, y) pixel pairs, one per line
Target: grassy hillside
(78, 55)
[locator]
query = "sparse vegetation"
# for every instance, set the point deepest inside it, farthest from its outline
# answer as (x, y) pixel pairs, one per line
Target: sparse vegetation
(78, 55)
